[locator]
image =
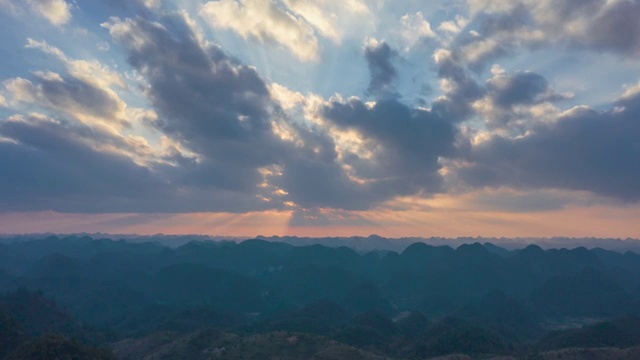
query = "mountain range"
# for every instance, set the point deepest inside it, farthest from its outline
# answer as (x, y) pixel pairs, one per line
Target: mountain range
(297, 299)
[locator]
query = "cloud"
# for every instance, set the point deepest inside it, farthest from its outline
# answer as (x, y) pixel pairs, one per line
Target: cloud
(265, 21)
(83, 93)
(223, 112)
(383, 73)
(321, 218)
(494, 32)
(600, 25)
(58, 12)
(498, 28)
(91, 71)
(71, 97)
(452, 26)
(68, 167)
(215, 115)
(52, 164)
(405, 145)
(330, 18)
(205, 100)
(459, 89)
(521, 88)
(151, 3)
(582, 150)
(516, 101)
(415, 29)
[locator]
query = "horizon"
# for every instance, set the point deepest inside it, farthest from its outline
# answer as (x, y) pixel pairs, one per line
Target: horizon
(328, 118)
(260, 236)
(359, 243)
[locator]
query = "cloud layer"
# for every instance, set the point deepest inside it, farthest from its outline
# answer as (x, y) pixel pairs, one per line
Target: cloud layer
(163, 118)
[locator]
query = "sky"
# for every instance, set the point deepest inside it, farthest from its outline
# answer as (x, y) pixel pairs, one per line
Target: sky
(513, 118)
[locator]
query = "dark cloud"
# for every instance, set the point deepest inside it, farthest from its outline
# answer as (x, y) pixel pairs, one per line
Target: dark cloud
(222, 110)
(409, 143)
(461, 91)
(522, 88)
(495, 34)
(603, 26)
(599, 25)
(207, 101)
(61, 165)
(508, 98)
(313, 177)
(583, 150)
(49, 165)
(383, 73)
(615, 28)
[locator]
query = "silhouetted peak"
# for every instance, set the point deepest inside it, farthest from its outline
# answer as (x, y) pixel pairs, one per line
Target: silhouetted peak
(580, 250)
(417, 248)
(197, 247)
(532, 249)
(492, 248)
(472, 249)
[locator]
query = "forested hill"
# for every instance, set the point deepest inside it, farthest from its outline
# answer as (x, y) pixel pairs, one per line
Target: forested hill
(264, 297)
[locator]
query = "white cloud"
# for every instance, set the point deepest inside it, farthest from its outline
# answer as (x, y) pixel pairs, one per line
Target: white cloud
(266, 21)
(483, 47)
(3, 101)
(630, 91)
(324, 22)
(454, 26)
(103, 46)
(92, 106)
(442, 55)
(58, 12)
(415, 29)
(287, 98)
(331, 18)
(152, 4)
(91, 71)
(83, 93)
(475, 52)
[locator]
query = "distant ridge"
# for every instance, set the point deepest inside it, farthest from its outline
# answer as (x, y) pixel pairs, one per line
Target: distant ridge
(363, 243)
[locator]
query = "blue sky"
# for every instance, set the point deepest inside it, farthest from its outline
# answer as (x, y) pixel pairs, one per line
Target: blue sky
(245, 117)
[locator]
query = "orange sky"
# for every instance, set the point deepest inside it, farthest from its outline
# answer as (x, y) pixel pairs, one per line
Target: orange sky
(594, 221)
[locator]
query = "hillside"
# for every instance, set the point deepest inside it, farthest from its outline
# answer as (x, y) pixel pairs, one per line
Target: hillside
(477, 300)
